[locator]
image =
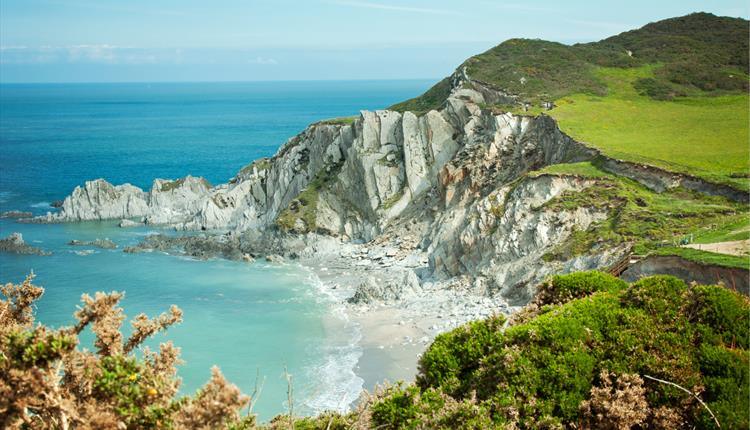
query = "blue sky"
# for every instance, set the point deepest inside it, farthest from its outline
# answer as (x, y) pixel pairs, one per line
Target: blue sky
(238, 40)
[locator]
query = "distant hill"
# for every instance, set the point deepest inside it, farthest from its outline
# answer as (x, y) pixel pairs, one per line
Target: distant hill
(696, 54)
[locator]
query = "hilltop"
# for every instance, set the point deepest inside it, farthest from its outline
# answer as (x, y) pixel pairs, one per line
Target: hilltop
(683, 81)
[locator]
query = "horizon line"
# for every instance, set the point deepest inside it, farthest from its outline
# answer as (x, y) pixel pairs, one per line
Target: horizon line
(214, 81)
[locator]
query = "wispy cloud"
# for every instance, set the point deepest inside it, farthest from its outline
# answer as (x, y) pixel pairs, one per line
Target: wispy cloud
(384, 6)
(263, 61)
(524, 7)
(93, 53)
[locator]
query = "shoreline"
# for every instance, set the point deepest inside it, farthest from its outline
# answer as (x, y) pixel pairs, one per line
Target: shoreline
(392, 333)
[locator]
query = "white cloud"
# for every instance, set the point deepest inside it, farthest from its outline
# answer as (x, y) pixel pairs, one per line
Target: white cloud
(263, 61)
(383, 6)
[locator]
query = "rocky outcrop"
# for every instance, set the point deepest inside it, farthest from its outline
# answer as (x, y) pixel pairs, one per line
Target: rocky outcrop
(168, 202)
(16, 245)
(99, 243)
(382, 291)
(16, 214)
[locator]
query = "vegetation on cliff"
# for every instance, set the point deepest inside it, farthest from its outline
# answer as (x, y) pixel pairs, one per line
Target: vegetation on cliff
(650, 222)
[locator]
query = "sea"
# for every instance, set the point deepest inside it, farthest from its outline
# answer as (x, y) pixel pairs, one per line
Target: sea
(257, 322)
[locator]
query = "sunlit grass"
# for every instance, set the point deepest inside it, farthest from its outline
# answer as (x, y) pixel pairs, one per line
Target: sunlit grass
(703, 136)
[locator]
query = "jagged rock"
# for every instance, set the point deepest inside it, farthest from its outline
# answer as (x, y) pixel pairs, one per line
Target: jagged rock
(374, 291)
(15, 244)
(16, 214)
(99, 243)
(274, 258)
(247, 258)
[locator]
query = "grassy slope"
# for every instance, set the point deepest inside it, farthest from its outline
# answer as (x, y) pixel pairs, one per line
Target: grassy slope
(643, 218)
(703, 136)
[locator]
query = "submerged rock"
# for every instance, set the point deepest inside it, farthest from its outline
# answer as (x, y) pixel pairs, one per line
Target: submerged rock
(99, 243)
(16, 214)
(15, 244)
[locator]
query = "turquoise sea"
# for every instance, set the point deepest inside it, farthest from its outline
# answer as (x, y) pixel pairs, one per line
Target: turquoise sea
(249, 319)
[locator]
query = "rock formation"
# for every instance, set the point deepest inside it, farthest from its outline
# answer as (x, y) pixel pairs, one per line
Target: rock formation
(451, 183)
(15, 244)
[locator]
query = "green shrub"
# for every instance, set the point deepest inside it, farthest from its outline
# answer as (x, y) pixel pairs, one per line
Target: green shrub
(563, 288)
(453, 356)
(538, 373)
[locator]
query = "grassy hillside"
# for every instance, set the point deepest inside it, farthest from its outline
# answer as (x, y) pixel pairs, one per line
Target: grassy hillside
(699, 135)
(672, 93)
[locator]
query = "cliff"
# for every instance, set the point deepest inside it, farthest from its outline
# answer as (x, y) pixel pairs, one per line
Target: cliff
(452, 183)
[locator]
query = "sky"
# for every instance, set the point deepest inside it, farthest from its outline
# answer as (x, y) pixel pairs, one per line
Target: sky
(257, 40)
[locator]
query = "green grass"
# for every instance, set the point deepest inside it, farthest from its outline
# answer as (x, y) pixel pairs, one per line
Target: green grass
(733, 228)
(636, 215)
(344, 120)
(703, 136)
(705, 257)
(431, 99)
(583, 169)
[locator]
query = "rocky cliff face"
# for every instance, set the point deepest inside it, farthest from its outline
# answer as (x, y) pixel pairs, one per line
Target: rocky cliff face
(451, 183)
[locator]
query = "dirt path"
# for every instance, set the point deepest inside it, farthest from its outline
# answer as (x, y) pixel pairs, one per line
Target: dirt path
(736, 247)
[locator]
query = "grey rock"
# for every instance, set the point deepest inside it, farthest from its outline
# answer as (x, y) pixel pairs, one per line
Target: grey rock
(99, 243)
(16, 214)
(274, 258)
(125, 223)
(16, 245)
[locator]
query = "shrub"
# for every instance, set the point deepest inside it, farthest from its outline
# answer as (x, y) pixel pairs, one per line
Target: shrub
(563, 288)
(454, 356)
(577, 363)
(45, 382)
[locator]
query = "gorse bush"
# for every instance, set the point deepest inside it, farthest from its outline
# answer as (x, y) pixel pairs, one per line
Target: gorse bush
(585, 363)
(47, 383)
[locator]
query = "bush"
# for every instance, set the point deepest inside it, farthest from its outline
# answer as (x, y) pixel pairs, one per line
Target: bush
(565, 366)
(454, 356)
(45, 382)
(564, 288)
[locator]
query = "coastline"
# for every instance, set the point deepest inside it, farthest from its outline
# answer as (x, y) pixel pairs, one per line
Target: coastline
(391, 334)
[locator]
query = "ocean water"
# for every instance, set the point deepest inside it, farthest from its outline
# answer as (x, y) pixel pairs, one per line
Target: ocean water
(249, 319)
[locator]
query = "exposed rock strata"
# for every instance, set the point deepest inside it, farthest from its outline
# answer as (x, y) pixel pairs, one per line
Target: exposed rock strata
(449, 185)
